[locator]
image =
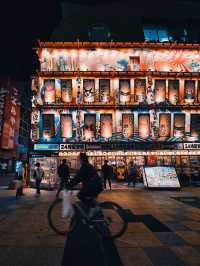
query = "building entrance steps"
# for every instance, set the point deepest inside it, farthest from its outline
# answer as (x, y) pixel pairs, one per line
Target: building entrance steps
(85, 247)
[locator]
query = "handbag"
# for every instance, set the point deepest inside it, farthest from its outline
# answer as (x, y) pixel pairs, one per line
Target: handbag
(67, 208)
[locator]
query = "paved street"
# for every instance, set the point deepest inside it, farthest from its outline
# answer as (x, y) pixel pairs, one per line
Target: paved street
(164, 228)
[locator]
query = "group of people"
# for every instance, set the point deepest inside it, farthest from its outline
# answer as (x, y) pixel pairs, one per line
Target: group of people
(38, 174)
(92, 183)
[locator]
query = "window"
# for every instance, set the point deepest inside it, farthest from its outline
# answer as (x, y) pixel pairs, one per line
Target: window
(156, 33)
(150, 34)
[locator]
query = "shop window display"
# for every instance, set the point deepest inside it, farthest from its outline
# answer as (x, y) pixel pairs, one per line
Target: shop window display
(195, 126)
(50, 92)
(106, 125)
(144, 126)
(49, 165)
(179, 125)
(160, 90)
(66, 90)
(164, 125)
(104, 90)
(189, 91)
(140, 90)
(89, 126)
(48, 126)
(128, 125)
(173, 90)
(88, 90)
(124, 91)
(198, 92)
(66, 126)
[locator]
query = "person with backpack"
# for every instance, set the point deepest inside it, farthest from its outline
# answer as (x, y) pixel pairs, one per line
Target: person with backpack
(91, 182)
(38, 174)
(63, 173)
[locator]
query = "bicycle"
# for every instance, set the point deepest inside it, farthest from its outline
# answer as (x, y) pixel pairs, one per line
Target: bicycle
(107, 219)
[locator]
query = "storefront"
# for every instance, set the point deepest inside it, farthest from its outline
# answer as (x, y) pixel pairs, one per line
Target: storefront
(122, 102)
(185, 157)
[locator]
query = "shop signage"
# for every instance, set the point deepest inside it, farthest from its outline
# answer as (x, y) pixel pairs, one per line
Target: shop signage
(67, 147)
(93, 147)
(11, 122)
(191, 146)
(46, 147)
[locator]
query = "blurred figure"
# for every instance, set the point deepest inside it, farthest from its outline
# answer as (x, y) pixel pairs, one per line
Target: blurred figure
(63, 173)
(38, 175)
(19, 181)
(132, 174)
(91, 182)
(107, 171)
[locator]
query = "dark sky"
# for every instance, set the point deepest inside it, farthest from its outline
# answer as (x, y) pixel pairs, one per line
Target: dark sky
(22, 23)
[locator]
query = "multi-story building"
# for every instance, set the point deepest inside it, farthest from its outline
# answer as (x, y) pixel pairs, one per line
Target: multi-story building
(121, 101)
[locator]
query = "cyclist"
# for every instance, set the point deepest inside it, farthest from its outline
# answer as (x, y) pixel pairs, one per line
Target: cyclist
(63, 173)
(91, 182)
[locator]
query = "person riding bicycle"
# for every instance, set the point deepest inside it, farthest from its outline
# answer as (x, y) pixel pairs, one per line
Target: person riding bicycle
(91, 182)
(63, 173)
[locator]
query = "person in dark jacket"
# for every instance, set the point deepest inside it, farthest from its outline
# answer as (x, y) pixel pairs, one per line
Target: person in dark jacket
(107, 171)
(63, 173)
(132, 174)
(91, 181)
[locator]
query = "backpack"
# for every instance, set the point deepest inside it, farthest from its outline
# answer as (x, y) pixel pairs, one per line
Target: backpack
(95, 184)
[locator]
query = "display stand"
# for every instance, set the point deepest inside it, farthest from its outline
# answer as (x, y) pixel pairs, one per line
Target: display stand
(161, 178)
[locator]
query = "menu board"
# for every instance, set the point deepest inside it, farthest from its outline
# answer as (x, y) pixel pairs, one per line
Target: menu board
(160, 177)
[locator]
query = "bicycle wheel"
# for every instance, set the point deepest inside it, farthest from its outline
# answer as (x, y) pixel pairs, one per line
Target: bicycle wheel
(60, 225)
(114, 225)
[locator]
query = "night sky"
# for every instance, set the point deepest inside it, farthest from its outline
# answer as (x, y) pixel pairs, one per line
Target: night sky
(22, 23)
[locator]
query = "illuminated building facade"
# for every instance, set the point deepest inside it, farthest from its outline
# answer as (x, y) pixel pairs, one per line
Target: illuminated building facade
(121, 101)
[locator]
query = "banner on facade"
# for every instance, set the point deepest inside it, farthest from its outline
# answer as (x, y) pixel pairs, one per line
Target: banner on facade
(11, 121)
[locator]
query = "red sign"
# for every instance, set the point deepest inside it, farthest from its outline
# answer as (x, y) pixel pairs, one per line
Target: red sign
(11, 122)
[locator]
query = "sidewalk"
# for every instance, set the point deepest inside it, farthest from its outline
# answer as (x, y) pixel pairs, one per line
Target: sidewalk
(163, 230)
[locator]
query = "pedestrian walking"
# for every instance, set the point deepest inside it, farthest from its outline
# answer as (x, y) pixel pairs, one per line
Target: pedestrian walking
(63, 173)
(20, 174)
(38, 175)
(132, 174)
(107, 171)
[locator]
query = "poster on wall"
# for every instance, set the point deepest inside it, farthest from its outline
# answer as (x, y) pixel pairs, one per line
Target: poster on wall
(66, 125)
(49, 91)
(195, 125)
(164, 125)
(173, 90)
(106, 125)
(48, 125)
(89, 126)
(144, 126)
(124, 91)
(128, 125)
(104, 90)
(160, 177)
(160, 90)
(179, 125)
(66, 90)
(140, 90)
(11, 122)
(88, 90)
(189, 89)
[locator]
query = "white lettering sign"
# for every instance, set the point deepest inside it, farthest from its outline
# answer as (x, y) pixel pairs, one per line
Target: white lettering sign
(191, 146)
